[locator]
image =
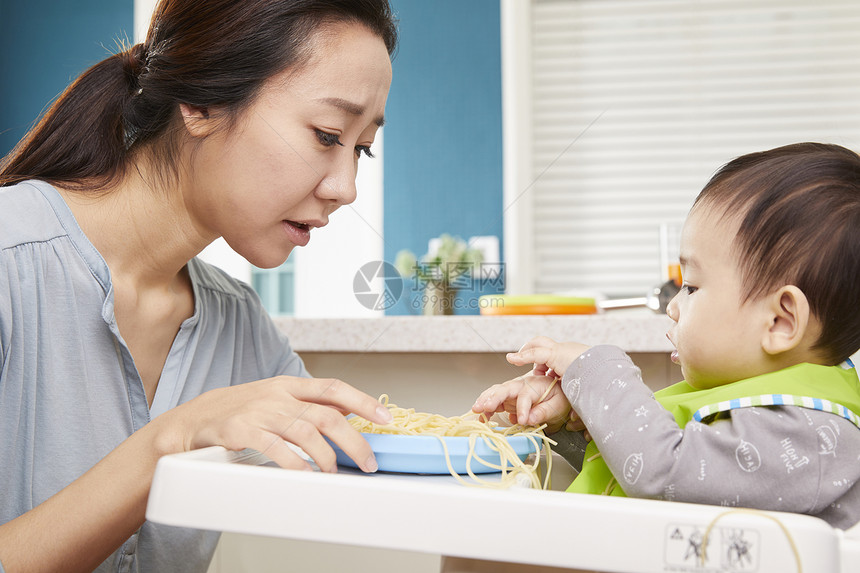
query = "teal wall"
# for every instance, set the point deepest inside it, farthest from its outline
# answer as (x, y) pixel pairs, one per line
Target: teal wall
(443, 133)
(44, 45)
(443, 130)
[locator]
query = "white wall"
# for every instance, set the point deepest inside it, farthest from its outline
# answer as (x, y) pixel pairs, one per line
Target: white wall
(325, 269)
(516, 147)
(142, 13)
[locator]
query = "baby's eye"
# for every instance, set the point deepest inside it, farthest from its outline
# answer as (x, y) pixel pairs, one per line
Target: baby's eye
(689, 289)
(359, 149)
(328, 139)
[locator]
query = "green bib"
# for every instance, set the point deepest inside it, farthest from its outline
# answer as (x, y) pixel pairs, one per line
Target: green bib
(828, 388)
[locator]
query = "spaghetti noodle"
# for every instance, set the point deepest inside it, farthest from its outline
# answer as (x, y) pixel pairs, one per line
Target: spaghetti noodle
(409, 422)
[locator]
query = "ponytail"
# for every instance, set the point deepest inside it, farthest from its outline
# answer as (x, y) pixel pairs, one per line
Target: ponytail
(84, 136)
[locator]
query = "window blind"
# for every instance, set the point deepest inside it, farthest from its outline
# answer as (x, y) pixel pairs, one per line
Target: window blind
(636, 103)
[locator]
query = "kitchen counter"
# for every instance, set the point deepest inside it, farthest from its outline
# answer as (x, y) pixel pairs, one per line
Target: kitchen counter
(634, 331)
(441, 363)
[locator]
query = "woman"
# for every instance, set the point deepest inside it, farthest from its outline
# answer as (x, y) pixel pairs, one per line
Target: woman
(243, 120)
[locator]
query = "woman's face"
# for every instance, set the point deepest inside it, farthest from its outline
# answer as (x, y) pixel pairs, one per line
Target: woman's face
(291, 159)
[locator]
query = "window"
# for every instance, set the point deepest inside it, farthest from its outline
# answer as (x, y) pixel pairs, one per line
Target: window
(618, 111)
(275, 287)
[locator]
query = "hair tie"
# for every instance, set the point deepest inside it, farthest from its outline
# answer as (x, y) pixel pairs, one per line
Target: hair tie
(135, 64)
(147, 56)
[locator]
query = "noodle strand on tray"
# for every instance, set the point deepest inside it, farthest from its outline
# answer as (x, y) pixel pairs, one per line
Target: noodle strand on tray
(411, 423)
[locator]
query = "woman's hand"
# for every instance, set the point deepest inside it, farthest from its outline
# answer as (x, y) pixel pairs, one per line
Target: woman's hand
(529, 400)
(266, 414)
(550, 358)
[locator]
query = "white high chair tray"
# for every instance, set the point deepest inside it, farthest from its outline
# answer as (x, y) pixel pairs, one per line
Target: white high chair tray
(243, 492)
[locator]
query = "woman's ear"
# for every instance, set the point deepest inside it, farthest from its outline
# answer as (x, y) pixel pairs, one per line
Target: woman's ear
(790, 320)
(197, 120)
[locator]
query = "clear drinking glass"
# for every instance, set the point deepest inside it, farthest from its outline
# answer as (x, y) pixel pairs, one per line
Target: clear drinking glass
(670, 252)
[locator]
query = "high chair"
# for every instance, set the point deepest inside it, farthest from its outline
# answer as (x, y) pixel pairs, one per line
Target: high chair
(529, 530)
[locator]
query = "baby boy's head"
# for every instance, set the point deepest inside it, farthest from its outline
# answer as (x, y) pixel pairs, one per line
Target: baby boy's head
(798, 214)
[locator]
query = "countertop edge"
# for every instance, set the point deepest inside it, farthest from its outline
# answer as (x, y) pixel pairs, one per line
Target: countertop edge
(633, 332)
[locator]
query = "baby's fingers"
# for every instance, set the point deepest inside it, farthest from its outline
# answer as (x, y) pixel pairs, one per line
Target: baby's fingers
(488, 403)
(574, 424)
(493, 398)
(552, 411)
(525, 399)
(539, 356)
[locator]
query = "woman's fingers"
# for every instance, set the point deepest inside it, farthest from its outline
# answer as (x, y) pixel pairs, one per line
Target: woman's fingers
(266, 414)
(279, 451)
(324, 403)
(338, 394)
(310, 430)
(320, 416)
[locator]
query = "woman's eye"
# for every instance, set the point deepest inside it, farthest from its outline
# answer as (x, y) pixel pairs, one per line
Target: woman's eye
(331, 139)
(359, 149)
(689, 289)
(328, 139)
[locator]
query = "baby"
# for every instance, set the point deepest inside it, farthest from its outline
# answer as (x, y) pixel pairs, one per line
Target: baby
(769, 312)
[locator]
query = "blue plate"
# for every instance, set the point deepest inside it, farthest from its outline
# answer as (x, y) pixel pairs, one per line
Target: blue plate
(425, 455)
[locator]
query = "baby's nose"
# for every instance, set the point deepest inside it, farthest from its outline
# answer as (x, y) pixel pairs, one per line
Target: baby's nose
(672, 308)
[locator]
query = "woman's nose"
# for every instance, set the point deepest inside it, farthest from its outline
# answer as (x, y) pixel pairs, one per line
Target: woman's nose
(339, 183)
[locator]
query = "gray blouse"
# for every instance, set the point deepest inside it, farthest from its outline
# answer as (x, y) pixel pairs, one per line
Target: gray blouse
(69, 389)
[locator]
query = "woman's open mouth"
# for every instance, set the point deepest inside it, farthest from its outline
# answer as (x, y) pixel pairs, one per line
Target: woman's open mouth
(298, 233)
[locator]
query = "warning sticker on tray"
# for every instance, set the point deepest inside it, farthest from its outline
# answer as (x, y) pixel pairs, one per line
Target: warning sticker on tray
(725, 549)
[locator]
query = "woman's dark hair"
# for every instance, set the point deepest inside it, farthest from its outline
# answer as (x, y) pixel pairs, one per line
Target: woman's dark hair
(798, 208)
(202, 53)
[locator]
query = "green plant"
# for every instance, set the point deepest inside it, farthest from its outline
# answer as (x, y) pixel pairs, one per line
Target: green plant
(452, 259)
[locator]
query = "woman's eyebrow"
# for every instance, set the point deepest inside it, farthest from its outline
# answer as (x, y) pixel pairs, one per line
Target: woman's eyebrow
(349, 107)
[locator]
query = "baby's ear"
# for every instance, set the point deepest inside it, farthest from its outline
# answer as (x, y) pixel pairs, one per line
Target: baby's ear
(789, 310)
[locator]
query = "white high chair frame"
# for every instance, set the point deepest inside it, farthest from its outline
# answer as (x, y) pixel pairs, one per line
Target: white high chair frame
(242, 492)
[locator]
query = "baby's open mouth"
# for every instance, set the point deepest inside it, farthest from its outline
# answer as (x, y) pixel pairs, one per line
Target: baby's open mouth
(674, 355)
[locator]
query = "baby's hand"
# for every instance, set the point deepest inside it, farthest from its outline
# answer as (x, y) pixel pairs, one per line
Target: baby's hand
(550, 358)
(529, 400)
(575, 424)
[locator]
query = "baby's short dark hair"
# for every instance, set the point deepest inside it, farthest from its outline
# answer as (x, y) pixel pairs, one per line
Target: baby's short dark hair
(798, 209)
